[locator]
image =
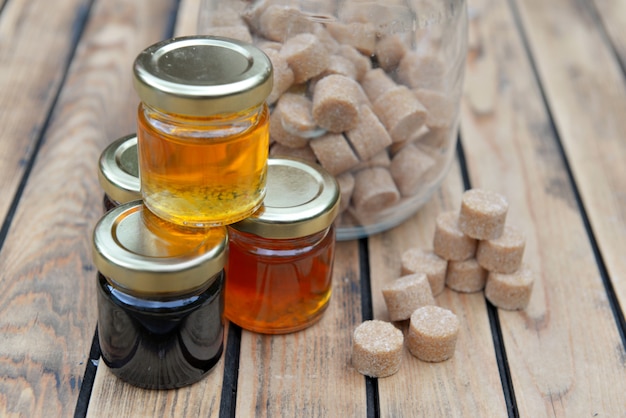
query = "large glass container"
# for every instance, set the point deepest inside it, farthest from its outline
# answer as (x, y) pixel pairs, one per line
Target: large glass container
(368, 89)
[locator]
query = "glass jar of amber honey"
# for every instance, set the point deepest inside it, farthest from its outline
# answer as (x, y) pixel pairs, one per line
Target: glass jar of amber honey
(281, 258)
(160, 299)
(203, 129)
(118, 173)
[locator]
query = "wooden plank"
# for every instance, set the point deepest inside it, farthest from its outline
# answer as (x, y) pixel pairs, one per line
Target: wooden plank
(613, 16)
(556, 348)
(586, 89)
(439, 389)
(308, 372)
(43, 47)
(187, 17)
(47, 307)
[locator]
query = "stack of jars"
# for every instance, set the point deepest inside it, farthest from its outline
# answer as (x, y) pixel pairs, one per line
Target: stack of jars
(200, 223)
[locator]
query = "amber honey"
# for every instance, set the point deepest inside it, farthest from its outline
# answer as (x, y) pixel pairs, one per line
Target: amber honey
(280, 264)
(203, 171)
(278, 285)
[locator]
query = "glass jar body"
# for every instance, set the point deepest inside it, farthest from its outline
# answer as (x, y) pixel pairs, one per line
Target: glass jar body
(203, 171)
(395, 68)
(164, 342)
(277, 286)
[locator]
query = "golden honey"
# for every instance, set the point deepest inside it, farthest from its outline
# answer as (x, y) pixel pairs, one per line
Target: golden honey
(214, 180)
(202, 133)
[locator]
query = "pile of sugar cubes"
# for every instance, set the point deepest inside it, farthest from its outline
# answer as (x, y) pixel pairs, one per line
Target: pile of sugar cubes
(473, 250)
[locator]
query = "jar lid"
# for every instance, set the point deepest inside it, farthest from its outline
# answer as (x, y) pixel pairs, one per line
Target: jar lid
(118, 171)
(202, 75)
(301, 199)
(143, 254)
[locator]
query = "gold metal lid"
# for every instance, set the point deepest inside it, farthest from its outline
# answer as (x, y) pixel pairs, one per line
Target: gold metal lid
(202, 75)
(118, 170)
(301, 199)
(143, 254)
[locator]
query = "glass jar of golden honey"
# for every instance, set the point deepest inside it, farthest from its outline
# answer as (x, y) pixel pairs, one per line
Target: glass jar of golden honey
(203, 129)
(118, 173)
(160, 299)
(281, 258)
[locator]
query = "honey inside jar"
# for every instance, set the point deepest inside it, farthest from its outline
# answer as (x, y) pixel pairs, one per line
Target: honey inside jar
(278, 285)
(202, 129)
(280, 262)
(215, 179)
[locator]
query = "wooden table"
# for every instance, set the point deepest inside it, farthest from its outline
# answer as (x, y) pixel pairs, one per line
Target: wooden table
(543, 122)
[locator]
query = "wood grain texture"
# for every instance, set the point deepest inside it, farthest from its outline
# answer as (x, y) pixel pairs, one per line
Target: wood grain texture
(564, 352)
(586, 88)
(308, 373)
(47, 306)
(613, 16)
(43, 46)
(469, 383)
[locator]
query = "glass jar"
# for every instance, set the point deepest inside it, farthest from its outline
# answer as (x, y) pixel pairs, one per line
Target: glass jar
(202, 129)
(281, 258)
(160, 299)
(118, 172)
(369, 89)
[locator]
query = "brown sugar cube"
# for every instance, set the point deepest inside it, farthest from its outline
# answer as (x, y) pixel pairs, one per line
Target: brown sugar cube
(369, 137)
(283, 75)
(503, 254)
(239, 32)
(375, 83)
(510, 291)
(338, 64)
(483, 213)
(466, 276)
(415, 260)
(334, 153)
(400, 112)
(377, 348)
(432, 335)
(336, 102)
(278, 22)
(279, 134)
(346, 187)
(379, 160)
(304, 153)
(305, 55)
(436, 138)
(408, 168)
(362, 64)
(389, 51)
(406, 294)
(449, 242)
(441, 111)
(374, 190)
(330, 43)
(421, 70)
(297, 115)
(361, 36)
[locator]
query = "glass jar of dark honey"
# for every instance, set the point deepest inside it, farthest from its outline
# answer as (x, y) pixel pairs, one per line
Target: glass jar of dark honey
(160, 299)
(202, 129)
(118, 173)
(281, 258)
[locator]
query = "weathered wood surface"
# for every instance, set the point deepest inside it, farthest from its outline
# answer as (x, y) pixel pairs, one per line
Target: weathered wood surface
(47, 307)
(586, 91)
(542, 122)
(36, 42)
(557, 365)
